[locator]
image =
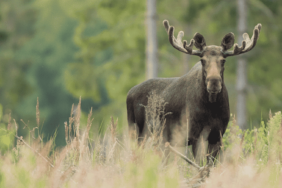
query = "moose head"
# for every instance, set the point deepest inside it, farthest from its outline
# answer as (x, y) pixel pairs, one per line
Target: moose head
(212, 57)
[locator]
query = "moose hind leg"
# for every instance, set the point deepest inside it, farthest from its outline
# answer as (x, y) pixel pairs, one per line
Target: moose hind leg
(132, 127)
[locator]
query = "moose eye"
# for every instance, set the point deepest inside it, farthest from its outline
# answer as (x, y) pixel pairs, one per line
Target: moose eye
(222, 62)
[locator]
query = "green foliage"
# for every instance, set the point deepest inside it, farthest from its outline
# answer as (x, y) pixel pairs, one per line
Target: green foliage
(149, 174)
(119, 33)
(232, 134)
(111, 38)
(6, 135)
(16, 28)
(264, 142)
(49, 52)
(274, 136)
(6, 140)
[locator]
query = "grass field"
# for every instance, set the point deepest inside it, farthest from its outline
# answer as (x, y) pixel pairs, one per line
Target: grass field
(249, 159)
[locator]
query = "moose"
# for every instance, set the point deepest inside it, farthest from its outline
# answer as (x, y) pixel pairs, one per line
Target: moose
(198, 98)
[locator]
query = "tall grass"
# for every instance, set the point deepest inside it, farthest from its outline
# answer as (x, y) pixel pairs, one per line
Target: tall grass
(249, 159)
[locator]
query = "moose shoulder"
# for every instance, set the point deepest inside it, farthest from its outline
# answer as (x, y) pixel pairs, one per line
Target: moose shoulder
(199, 97)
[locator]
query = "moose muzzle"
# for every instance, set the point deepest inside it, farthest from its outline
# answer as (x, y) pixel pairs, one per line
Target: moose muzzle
(214, 86)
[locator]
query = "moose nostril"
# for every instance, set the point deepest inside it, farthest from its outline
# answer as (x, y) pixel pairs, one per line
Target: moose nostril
(214, 80)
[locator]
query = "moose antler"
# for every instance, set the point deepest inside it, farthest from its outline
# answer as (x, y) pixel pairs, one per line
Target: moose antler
(183, 47)
(247, 43)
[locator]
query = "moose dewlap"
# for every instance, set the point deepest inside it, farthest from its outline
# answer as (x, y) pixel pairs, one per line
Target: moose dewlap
(197, 100)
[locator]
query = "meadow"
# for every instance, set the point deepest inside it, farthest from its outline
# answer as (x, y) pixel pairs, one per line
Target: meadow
(249, 159)
(60, 50)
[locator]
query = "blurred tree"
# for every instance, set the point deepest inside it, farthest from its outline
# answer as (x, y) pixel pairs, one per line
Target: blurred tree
(16, 29)
(51, 50)
(241, 67)
(151, 42)
(111, 38)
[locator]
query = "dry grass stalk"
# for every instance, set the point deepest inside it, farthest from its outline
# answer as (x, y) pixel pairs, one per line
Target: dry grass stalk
(88, 126)
(255, 141)
(67, 173)
(71, 119)
(25, 124)
(242, 139)
(77, 115)
(37, 113)
(66, 132)
(270, 114)
(62, 155)
(77, 118)
(221, 142)
(84, 140)
(187, 136)
(16, 126)
(19, 142)
(32, 131)
(35, 151)
(143, 142)
(281, 123)
(203, 172)
(133, 133)
(112, 140)
(111, 152)
(113, 128)
(221, 156)
(72, 135)
(234, 122)
(9, 126)
(167, 145)
(155, 118)
(45, 149)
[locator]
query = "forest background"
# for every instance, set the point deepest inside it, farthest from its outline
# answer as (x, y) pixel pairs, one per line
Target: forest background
(59, 50)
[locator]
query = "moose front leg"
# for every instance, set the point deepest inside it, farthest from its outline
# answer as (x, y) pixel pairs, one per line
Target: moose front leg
(215, 144)
(214, 150)
(200, 146)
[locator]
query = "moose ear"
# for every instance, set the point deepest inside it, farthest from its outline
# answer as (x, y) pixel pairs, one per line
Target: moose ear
(200, 42)
(228, 41)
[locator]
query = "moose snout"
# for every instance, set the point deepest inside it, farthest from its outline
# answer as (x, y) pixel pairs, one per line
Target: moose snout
(214, 84)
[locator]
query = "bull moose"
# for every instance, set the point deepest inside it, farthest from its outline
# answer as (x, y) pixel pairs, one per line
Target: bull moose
(199, 97)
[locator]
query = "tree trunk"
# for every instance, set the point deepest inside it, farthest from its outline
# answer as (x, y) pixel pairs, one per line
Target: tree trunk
(241, 67)
(152, 47)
